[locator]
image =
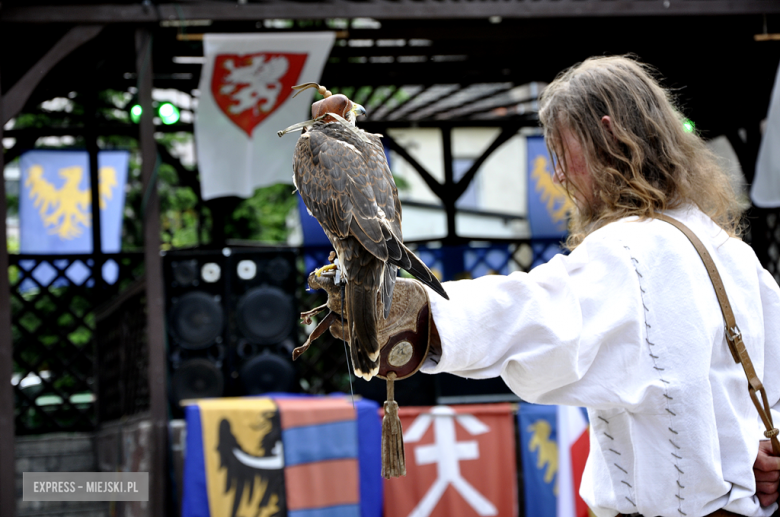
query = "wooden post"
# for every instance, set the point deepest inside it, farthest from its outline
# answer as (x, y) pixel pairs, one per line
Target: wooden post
(449, 183)
(90, 135)
(154, 282)
(7, 457)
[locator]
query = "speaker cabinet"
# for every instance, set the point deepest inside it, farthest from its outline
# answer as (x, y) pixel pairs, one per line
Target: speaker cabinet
(231, 321)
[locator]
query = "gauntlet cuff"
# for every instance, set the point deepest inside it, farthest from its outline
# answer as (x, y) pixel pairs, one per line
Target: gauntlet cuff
(407, 335)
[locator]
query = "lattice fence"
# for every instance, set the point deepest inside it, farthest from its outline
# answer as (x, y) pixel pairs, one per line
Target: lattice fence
(122, 355)
(52, 309)
(59, 338)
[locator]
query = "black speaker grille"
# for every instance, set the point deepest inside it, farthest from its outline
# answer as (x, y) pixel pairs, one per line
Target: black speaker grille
(197, 378)
(265, 315)
(266, 373)
(185, 272)
(196, 320)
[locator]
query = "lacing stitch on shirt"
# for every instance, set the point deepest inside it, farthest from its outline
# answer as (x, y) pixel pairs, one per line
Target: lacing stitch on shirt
(655, 359)
(605, 433)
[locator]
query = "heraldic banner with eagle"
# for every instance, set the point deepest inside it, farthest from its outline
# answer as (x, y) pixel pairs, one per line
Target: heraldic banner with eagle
(55, 210)
(287, 455)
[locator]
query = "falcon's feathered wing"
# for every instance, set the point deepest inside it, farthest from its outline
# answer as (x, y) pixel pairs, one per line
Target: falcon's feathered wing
(344, 180)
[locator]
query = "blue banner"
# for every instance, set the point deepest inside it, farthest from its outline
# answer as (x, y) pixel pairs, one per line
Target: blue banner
(55, 211)
(311, 442)
(548, 203)
(538, 442)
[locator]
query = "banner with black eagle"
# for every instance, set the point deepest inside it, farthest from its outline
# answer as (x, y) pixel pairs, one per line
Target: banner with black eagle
(282, 456)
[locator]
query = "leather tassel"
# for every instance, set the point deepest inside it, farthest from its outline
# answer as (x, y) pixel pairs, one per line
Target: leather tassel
(393, 457)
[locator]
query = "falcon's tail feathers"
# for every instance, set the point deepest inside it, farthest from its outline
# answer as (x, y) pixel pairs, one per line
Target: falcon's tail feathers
(361, 308)
(420, 271)
(388, 285)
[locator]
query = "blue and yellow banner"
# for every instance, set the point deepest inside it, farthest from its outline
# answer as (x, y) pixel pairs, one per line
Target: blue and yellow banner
(548, 203)
(55, 211)
(283, 456)
(538, 439)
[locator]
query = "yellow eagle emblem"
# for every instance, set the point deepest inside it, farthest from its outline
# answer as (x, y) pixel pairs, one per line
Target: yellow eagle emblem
(548, 450)
(65, 209)
(553, 195)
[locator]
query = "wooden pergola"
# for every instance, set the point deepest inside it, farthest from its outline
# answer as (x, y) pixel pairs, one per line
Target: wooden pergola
(720, 56)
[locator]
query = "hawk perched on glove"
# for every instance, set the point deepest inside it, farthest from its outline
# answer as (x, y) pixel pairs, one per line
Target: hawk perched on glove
(343, 178)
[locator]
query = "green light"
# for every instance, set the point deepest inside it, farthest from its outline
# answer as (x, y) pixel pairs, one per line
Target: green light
(135, 113)
(169, 114)
(689, 126)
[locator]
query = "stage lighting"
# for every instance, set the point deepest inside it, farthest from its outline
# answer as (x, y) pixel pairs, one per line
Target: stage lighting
(168, 113)
(135, 113)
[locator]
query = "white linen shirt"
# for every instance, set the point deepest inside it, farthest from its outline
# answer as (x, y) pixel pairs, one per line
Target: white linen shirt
(628, 325)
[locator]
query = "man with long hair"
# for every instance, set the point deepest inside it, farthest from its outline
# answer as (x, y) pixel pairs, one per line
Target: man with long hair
(628, 324)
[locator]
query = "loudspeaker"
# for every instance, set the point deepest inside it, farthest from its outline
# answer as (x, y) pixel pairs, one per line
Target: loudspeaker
(231, 321)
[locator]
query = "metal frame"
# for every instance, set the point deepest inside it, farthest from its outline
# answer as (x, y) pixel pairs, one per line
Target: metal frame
(7, 431)
(386, 9)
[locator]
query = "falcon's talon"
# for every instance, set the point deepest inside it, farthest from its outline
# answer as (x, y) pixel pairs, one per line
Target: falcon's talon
(323, 269)
(296, 353)
(306, 316)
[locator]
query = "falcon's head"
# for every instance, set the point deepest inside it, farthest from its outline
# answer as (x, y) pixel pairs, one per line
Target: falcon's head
(340, 105)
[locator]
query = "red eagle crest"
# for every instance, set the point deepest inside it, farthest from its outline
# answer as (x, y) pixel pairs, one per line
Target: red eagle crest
(248, 88)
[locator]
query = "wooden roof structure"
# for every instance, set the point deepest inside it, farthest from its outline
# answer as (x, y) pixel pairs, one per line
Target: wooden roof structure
(460, 62)
(707, 48)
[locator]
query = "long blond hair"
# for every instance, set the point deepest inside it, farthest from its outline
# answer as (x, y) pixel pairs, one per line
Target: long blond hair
(643, 161)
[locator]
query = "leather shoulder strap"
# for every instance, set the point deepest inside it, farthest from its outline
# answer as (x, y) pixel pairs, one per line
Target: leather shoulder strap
(733, 335)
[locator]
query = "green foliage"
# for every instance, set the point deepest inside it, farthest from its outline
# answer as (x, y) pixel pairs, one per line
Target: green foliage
(263, 216)
(13, 244)
(12, 204)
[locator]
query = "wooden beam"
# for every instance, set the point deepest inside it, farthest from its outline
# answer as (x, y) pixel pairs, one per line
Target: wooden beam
(155, 303)
(398, 107)
(91, 138)
(449, 198)
(429, 180)
(472, 102)
(507, 133)
(381, 9)
(19, 93)
(7, 430)
(109, 129)
(381, 105)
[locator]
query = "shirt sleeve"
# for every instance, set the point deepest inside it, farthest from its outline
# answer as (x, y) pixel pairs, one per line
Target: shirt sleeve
(568, 332)
(770, 302)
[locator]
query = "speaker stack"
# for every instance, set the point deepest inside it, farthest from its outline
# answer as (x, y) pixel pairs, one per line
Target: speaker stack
(232, 321)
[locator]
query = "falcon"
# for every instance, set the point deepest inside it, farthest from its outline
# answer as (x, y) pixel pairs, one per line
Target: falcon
(342, 175)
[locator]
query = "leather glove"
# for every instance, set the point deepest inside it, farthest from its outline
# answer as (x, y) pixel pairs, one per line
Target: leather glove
(404, 336)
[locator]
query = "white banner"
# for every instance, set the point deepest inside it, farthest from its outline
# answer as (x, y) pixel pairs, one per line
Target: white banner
(245, 98)
(765, 191)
